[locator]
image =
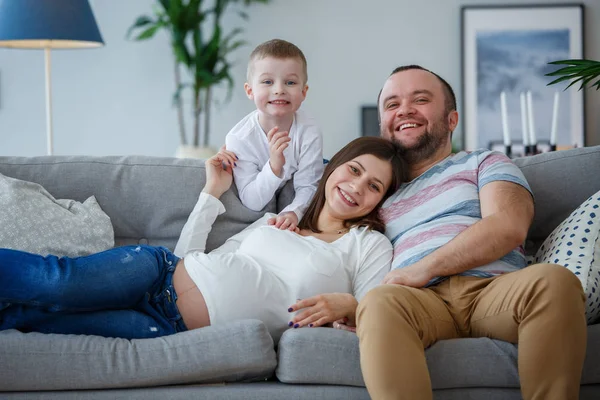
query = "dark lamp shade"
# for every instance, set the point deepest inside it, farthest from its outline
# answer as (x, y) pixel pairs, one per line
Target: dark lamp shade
(57, 24)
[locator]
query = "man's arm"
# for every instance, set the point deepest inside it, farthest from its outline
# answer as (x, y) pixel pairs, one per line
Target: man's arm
(506, 211)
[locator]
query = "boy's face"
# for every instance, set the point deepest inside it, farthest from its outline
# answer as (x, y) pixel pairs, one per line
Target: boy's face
(277, 86)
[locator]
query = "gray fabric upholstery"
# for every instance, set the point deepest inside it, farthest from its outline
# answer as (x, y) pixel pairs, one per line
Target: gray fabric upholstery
(237, 351)
(322, 356)
(331, 356)
(272, 391)
(560, 182)
(149, 199)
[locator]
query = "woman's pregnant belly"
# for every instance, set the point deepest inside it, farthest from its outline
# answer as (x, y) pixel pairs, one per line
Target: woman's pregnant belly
(270, 271)
(235, 287)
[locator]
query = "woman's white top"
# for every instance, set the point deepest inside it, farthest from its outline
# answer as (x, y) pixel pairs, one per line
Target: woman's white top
(260, 272)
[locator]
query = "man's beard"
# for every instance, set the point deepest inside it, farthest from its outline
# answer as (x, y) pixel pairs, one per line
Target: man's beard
(430, 142)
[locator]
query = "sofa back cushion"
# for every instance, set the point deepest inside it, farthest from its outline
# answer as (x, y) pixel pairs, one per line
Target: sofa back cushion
(148, 199)
(560, 182)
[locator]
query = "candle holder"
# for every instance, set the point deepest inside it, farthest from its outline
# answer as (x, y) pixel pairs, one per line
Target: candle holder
(534, 149)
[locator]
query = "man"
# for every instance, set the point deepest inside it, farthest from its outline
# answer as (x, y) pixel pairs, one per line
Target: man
(458, 268)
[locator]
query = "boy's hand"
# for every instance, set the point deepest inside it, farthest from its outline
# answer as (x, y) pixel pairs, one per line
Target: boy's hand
(286, 220)
(278, 142)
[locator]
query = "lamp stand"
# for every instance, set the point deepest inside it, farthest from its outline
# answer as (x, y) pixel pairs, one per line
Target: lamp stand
(48, 101)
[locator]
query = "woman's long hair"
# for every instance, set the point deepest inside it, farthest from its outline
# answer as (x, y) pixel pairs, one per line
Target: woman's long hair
(383, 149)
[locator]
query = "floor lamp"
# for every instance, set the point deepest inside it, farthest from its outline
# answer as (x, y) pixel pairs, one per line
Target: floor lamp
(48, 24)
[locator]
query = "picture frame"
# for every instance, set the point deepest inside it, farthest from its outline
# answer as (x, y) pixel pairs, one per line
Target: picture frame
(369, 121)
(507, 49)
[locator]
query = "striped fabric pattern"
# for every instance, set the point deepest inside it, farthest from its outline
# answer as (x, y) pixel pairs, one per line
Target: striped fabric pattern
(435, 207)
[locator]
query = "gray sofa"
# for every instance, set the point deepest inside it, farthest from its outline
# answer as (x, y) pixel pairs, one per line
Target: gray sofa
(148, 200)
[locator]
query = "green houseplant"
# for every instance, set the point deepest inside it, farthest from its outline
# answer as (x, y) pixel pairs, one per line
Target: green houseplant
(201, 47)
(583, 71)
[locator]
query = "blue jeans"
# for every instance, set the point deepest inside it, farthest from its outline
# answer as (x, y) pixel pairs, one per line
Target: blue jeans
(124, 292)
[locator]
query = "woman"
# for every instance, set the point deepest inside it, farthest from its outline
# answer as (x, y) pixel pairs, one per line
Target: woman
(335, 255)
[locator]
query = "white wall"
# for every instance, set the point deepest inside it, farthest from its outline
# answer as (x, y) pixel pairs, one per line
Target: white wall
(117, 99)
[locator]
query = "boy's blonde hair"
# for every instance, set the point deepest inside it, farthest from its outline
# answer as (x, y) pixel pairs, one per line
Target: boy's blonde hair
(276, 48)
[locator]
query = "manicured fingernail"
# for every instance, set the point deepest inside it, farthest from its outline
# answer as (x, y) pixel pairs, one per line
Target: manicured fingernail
(235, 164)
(297, 325)
(310, 325)
(290, 323)
(237, 158)
(290, 310)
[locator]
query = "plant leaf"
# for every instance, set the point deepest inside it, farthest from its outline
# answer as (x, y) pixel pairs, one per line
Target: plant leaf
(148, 33)
(573, 62)
(573, 82)
(139, 22)
(576, 70)
(558, 80)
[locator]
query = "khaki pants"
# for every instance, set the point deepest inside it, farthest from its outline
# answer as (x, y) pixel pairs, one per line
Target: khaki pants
(541, 307)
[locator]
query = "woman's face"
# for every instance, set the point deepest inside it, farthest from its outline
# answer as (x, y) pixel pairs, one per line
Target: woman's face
(356, 187)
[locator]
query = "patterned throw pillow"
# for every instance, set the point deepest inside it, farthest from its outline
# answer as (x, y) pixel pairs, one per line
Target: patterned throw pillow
(575, 244)
(32, 220)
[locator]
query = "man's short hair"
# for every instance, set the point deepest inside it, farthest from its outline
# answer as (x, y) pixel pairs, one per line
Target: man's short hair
(276, 48)
(449, 97)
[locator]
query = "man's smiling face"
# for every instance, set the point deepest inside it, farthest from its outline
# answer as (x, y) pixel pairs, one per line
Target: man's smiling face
(413, 111)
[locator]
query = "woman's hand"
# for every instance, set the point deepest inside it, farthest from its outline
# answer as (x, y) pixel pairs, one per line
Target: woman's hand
(323, 309)
(219, 172)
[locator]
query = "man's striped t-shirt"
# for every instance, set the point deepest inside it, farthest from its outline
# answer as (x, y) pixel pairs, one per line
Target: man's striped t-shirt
(435, 207)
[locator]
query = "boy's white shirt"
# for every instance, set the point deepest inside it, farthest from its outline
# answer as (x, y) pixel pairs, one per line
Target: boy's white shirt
(254, 178)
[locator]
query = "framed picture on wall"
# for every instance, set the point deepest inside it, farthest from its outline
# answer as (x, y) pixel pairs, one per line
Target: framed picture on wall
(369, 121)
(505, 56)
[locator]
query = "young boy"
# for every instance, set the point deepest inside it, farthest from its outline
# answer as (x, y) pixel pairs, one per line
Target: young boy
(276, 141)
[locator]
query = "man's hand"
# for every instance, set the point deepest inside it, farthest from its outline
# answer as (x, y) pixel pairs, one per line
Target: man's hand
(278, 142)
(323, 309)
(415, 275)
(344, 325)
(287, 220)
(219, 172)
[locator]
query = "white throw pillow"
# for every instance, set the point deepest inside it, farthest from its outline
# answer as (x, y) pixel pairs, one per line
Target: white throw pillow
(575, 244)
(32, 220)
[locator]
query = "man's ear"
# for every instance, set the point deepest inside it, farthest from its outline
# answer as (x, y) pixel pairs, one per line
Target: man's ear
(248, 90)
(452, 120)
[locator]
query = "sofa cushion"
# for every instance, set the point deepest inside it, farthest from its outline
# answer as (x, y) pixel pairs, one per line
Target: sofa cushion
(560, 181)
(575, 244)
(147, 198)
(239, 351)
(32, 220)
(331, 356)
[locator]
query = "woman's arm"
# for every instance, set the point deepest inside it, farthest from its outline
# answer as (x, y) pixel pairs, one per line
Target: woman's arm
(218, 181)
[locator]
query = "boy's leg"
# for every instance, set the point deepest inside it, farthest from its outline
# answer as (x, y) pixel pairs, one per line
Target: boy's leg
(395, 324)
(542, 308)
(114, 279)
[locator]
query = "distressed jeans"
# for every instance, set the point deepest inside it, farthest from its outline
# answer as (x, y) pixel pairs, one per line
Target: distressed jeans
(124, 292)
